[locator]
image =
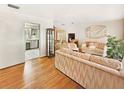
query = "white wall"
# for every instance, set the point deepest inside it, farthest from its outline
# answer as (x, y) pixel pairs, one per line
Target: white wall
(114, 28)
(12, 43)
(11, 39)
(70, 28)
(46, 24)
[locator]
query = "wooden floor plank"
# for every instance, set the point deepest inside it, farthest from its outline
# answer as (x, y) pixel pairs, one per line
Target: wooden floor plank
(36, 74)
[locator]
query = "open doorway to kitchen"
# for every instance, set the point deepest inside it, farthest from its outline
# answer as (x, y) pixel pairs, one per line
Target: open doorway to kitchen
(32, 40)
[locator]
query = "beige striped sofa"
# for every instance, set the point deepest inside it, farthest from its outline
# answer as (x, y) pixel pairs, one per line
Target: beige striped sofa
(90, 71)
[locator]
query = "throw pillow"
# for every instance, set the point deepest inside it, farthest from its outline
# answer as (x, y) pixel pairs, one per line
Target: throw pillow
(92, 45)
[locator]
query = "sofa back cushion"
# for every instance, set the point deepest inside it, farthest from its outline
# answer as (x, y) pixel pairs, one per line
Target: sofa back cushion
(100, 45)
(76, 54)
(84, 56)
(112, 63)
(65, 50)
(64, 45)
(81, 55)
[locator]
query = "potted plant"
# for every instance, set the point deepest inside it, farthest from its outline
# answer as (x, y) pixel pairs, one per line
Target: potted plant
(115, 48)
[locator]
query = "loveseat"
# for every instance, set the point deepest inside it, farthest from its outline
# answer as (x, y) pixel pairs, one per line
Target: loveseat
(90, 71)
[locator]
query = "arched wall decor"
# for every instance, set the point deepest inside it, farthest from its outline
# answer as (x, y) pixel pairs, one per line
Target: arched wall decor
(96, 31)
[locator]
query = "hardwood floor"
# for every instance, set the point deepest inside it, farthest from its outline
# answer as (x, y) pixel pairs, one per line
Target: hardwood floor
(36, 74)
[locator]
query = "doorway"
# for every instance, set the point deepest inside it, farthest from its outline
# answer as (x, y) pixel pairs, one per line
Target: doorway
(32, 40)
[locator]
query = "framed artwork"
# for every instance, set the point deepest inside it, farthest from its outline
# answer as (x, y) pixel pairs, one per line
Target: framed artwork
(96, 31)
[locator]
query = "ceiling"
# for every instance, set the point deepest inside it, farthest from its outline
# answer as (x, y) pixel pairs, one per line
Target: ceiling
(74, 13)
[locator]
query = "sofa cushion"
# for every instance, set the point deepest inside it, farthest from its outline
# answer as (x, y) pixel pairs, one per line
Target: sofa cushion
(81, 55)
(91, 45)
(112, 63)
(100, 45)
(65, 50)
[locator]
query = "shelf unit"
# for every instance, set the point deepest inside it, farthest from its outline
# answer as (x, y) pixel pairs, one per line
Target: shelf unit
(50, 42)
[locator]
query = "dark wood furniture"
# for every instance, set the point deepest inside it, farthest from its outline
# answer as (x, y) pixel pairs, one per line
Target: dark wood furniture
(50, 42)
